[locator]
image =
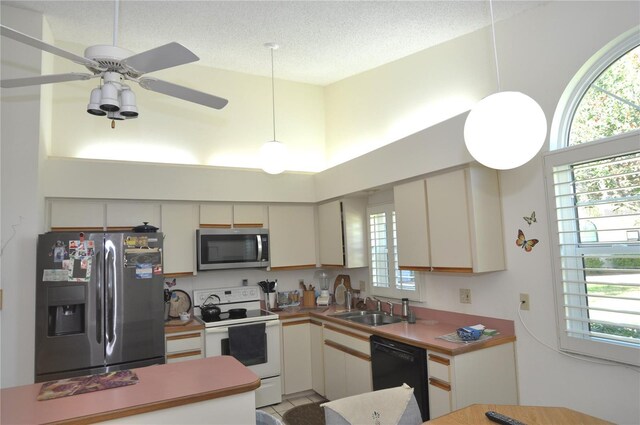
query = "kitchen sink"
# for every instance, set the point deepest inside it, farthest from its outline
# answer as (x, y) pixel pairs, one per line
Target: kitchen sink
(370, 318)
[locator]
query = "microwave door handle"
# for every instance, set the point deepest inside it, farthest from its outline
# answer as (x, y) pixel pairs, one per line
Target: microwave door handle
(259, 238)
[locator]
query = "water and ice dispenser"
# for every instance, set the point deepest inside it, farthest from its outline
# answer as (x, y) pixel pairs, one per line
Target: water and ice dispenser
(66, 310)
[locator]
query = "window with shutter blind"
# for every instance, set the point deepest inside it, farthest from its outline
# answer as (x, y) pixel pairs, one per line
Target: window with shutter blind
(386, 278)
(593, 188)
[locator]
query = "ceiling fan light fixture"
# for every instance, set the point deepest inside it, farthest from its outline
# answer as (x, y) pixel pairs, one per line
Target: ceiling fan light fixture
(128, 108)
(94, 103)
(109, 101)
(115, 115)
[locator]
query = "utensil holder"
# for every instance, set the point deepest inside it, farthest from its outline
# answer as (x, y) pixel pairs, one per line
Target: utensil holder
(309, 299)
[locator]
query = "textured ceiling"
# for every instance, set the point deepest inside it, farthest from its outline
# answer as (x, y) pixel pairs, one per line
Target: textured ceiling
(320, 41)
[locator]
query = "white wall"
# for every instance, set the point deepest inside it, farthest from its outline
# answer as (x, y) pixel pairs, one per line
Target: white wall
(20, 204)
(540, 52)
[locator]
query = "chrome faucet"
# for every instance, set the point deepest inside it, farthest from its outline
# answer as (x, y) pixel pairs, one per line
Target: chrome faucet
(390, 304)
(377, 301)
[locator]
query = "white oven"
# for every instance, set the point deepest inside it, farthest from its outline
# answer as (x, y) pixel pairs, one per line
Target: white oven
(265, 361)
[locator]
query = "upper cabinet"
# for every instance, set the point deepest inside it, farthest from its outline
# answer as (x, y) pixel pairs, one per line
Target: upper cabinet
(410, 202)
(229, 215)
(124, 216)
(292, 236)
(70, 215)
(178, 225)
(342, 233)
(463, 222)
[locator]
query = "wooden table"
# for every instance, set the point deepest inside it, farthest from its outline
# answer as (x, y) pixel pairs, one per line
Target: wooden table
(530, 415)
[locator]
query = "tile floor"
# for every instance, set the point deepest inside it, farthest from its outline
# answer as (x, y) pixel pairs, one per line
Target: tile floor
(291, 401)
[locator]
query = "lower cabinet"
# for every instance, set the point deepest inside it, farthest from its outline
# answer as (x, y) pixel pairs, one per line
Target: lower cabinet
(486, 376)
(296, 355)
(347, 361)
(184, 345)
(317, 357)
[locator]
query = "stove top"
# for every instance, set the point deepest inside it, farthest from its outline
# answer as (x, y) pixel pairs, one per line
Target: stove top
(232, 302)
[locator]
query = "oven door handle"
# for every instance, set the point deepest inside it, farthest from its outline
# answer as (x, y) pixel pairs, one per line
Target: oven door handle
(224, 329)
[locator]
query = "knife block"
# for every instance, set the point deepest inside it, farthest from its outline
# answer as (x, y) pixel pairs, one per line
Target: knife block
(309, 299)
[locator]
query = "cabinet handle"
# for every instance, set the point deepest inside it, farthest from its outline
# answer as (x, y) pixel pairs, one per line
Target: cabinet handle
(439, 384)
(439, 359)
(185, 354)
(342, 331)
(347, 350)
(184, 336)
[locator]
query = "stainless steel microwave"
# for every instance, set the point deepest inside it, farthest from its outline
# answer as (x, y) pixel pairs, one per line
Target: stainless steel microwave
(232, 248)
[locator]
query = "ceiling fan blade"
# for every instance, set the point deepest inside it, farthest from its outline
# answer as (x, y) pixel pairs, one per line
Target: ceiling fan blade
(167, 56)
(45, 79)
(182, 92)
(39, 44)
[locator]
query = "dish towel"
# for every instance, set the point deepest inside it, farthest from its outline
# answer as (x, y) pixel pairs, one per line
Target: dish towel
(248, 343)
(382, 407)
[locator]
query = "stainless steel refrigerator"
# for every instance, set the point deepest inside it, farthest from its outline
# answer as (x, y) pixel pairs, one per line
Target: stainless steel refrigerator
(99, 303)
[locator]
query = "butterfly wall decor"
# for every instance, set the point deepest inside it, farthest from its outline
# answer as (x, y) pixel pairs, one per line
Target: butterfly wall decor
(531, 219)
(527, 245)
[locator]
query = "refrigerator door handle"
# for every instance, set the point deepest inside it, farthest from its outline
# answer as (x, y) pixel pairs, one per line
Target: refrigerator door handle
(110, 270)
(99, 296)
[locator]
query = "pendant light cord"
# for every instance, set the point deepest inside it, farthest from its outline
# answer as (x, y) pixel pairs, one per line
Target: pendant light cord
(273, 97)
(115, 22)
(495, 49)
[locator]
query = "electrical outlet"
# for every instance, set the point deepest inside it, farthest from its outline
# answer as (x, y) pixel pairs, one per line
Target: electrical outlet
(363, 286)
(465, 295)
(524, 302)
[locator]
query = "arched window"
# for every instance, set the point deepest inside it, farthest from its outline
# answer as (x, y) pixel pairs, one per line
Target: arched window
(593, 188)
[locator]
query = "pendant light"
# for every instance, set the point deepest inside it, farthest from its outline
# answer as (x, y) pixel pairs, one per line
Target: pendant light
(506, 129)
(273, 154)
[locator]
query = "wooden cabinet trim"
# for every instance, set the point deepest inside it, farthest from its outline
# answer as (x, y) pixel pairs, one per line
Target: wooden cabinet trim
(184, 354)
(439, 359)
(315, 322)
(296, 322)
(215, 226)
(347, 350)
(300, 267)
(416, 268)
(439, 384)
(351, 334)
(178, 274)
(77, 229)
(183, 336)
(248, 225)
(452, 269)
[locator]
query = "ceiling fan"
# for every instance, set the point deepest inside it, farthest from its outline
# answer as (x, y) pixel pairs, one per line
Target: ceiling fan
(115, 66)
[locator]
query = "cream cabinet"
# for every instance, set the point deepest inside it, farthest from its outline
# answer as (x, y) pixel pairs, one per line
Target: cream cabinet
(124, 215)
(296, 355)
(69, 215)
(317, 358)
(232, 215)
(463, 218)
(216, 215)
(178, 225)
(293, 238)
(184, 345)
(347, 362)
(486, 376)
(343, 233)
(410, 203)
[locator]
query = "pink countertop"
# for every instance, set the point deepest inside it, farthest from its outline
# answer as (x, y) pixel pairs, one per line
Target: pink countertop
(430, 324)
(159, 387)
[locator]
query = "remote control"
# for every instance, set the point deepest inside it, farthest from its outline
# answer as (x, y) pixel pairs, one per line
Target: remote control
(502, 419)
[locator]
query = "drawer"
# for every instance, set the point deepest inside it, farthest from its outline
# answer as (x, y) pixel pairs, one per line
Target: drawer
(184, 342)
(181, 357)
(348, 339)
(439, 399)
(438, 367)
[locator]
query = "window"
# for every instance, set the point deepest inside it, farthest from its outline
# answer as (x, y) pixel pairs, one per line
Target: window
(593, 184)
(386, 278)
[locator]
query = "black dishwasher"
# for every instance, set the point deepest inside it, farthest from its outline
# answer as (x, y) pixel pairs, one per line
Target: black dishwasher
(394, 364)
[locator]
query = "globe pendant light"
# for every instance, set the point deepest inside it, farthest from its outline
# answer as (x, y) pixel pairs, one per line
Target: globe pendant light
(273, 154)
(507, 129)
